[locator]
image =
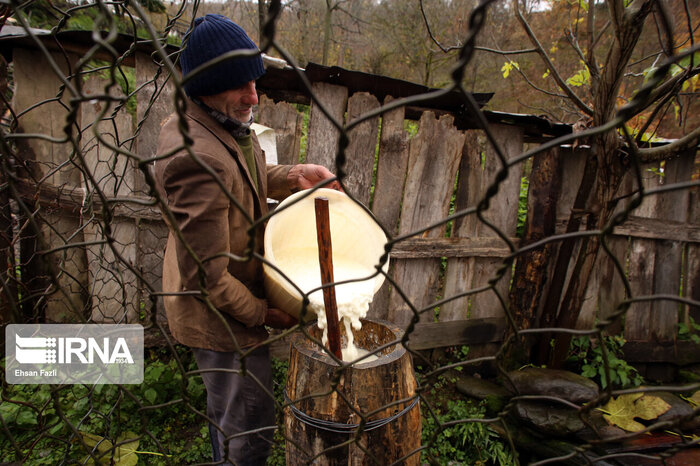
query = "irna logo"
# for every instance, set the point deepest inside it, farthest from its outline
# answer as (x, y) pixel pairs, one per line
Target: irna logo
(73, 353)
(38, 350)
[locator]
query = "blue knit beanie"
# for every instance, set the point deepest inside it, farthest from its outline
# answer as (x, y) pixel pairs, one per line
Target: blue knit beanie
(211, 36)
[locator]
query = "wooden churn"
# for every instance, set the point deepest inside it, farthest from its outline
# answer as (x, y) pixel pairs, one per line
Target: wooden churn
(323, 423)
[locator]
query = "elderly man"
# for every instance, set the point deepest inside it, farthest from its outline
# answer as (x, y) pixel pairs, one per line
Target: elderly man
(214, 300)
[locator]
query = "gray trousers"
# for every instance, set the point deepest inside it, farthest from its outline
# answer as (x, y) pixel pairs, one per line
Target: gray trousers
(237, 404)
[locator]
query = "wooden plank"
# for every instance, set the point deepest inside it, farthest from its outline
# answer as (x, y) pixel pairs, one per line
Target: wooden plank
(391, 169)
(502, 213)
(154, 103)
(323, 136)
(112, 284)
(41, 112)
(112, 172)
(680, 353)
(388, 190)
(642, 257)
(655, 228)
(287, 123)
(460, 271)
(69, 201)
(35, 100)
(423, 248)
(152, 235)
(691, 285)
(673, 206)
(649, 228)
(362, 148)
(470, 332)
(434, 156)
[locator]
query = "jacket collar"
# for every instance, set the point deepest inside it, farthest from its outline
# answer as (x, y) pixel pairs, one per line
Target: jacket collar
(201, 116)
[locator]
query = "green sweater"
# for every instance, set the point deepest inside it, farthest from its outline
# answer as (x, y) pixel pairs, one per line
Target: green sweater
(246, 145)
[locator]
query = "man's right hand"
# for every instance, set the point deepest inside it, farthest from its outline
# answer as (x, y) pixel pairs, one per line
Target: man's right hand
(276, 318)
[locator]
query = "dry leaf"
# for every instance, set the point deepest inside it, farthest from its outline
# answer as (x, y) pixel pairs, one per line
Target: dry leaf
(623, 410)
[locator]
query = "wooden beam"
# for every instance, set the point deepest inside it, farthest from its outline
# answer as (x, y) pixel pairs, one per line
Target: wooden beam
(681, 353)
(71, 200)
(457, 333)
(419, 248)
(651, 228)
(434, 335)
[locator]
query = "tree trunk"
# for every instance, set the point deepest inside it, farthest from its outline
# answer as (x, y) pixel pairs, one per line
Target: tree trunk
(609, 174)
(327, 32)
(531, 268)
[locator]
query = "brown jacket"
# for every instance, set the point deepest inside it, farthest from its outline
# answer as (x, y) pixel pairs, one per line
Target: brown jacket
(215, 227)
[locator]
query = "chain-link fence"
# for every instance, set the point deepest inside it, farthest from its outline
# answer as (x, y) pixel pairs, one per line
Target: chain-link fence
(514, 244)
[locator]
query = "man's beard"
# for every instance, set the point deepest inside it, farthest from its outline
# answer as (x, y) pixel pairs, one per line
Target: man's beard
(246, 124)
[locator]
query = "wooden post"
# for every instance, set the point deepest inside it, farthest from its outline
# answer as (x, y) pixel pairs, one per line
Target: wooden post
(325, 259)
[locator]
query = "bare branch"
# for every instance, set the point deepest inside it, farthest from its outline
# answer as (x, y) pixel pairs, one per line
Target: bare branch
(592, 40)
(506, 52)
(655, 154)
(540, 50)
(430, 33)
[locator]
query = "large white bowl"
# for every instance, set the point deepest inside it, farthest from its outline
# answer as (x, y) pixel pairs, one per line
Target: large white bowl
(290, 238)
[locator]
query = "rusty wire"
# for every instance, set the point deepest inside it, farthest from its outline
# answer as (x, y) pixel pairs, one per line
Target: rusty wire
(104, 193)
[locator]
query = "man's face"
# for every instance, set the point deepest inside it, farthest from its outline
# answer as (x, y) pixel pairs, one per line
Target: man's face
(235, 103)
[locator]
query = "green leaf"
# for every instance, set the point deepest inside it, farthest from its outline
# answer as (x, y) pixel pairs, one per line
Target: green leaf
(26, 417)
(126, 454)
(582, 77)
(151, 395)
(588, 371)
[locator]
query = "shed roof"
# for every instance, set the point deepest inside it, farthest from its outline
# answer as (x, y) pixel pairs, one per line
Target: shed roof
(285, 83)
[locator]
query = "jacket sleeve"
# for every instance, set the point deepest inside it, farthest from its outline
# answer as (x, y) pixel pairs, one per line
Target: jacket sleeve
(200, 208)
(277, 185)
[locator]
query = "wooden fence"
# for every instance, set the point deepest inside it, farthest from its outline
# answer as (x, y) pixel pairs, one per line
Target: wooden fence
(88, 204)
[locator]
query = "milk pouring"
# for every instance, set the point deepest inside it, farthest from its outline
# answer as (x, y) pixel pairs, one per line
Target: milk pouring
(358, 245)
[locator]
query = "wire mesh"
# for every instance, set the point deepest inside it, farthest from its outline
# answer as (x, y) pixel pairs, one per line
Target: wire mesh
(83, 239)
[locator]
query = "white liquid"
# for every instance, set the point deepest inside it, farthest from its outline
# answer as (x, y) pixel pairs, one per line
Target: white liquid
(353, 353)
(352, 299)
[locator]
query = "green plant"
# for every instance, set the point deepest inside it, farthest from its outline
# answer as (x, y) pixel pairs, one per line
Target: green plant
(50, 424)
(689, 331)
(279, 379)
(522, 206)
(587, 354)
(456, 436)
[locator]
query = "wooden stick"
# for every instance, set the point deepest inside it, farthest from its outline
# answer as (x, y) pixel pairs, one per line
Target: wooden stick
(325, 259)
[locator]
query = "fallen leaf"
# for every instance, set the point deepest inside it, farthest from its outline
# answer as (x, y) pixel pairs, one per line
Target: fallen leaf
(623, 410)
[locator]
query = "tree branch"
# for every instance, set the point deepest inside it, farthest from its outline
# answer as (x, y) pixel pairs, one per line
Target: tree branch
(430, 32)
(656, 154)
(506, 52)
(555, 74)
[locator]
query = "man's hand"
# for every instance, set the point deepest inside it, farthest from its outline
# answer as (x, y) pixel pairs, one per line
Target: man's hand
(276, 318)
(307, 176)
